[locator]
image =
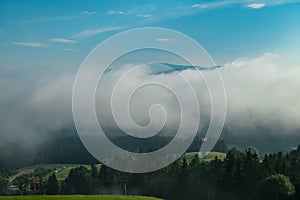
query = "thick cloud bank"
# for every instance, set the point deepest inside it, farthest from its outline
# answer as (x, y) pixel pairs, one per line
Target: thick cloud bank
(262, 94)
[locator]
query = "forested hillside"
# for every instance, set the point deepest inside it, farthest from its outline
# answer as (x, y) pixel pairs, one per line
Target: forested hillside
(241, 175)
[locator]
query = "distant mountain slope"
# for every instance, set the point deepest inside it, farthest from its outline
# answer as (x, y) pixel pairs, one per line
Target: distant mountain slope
(165, 68)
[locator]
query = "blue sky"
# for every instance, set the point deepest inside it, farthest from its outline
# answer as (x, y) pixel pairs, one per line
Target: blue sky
(56, 35)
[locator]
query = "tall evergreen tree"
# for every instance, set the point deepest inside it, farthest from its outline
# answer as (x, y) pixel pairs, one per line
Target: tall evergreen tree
(94, 171)
(52, 185)
(78, 181)
(3, 184)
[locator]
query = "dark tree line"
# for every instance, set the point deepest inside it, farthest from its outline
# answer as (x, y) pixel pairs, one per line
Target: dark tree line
(3, 181)
(241, 175)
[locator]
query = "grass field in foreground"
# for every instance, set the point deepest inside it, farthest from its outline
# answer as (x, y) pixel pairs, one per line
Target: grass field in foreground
(78, 197)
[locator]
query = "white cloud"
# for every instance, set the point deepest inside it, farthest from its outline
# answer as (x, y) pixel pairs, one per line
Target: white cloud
(46, 19)
(116, 12)
(91, 32)
(31, 44)
(256, 5)
(262, 92)
(216, 4)
(69, 49)
(199, 6)
(249, 3)
(145, 16)
(62, 40)
(88, 12)
(163, 40)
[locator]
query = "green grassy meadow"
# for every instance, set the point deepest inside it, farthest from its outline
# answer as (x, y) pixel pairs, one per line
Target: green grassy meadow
(63, 172)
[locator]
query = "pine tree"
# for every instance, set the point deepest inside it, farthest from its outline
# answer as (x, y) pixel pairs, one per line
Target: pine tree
(52, 185)
(94, 171)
